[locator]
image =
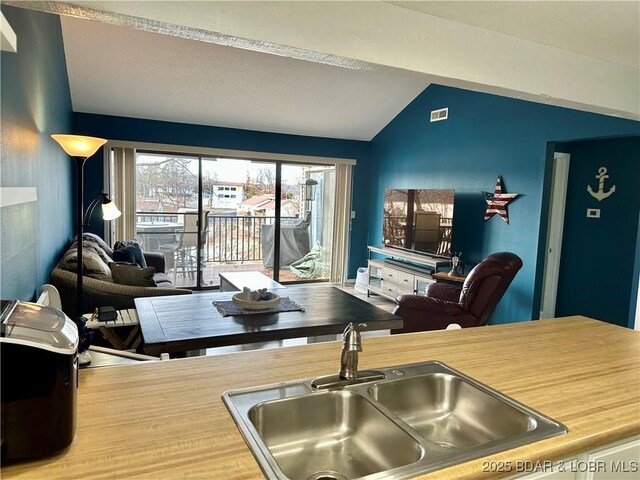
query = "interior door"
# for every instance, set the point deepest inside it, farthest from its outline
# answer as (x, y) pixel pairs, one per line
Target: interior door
(554, 235)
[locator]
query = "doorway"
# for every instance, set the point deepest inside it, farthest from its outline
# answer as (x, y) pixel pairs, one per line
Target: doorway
(600, 231)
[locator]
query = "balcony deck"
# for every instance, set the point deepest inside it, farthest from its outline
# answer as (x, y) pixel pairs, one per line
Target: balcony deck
(230, 243)
(211, 279)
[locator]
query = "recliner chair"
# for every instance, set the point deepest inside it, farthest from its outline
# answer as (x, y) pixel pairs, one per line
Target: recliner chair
(469, 306)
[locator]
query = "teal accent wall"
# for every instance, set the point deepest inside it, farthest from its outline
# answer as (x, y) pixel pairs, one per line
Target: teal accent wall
(485, 136)
(636, 281)
(598, 254)
(153, 131)
(35, 103)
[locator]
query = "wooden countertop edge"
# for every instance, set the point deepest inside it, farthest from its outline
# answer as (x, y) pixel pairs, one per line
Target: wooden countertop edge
(570, 357)
(554, 449)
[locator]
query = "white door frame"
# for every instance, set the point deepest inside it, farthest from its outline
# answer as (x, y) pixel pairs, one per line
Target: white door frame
(554, 234)
(637, 319)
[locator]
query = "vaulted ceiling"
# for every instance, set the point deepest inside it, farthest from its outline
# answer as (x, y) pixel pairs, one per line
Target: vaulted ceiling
(342, 69)
(117, 70)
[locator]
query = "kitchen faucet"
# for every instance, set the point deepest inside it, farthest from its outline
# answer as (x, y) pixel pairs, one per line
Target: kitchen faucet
(348, 373)
(351, 346)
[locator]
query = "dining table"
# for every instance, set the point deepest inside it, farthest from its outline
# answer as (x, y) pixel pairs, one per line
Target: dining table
(182, 323)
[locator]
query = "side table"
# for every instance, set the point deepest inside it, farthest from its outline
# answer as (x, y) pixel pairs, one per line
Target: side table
(126, 318)
(445, 277)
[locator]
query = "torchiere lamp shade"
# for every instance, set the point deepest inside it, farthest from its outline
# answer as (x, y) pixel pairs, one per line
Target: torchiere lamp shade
(78, 145)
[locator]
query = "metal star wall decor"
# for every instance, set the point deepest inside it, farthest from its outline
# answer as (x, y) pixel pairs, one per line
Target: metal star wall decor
(497, 202)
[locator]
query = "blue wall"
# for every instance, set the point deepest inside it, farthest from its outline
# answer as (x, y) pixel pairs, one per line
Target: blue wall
(35, 103)
(636, 281)
(598, 254)
(485, 136)
(152, 131)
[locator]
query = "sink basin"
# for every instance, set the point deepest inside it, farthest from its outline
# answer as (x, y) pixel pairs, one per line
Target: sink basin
(450, 411)
(337, 434)
(420, 418)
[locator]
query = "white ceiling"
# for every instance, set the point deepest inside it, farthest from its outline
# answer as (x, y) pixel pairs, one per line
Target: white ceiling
(606, 30)
(118, 70)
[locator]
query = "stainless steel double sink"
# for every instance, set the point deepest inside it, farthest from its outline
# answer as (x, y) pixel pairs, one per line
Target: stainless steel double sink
(420, 418)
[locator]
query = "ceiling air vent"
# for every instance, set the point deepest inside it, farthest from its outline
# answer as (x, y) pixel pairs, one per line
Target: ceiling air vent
(437, 115)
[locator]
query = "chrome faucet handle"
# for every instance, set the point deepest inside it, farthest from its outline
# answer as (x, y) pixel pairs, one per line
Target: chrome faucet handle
(351, 339)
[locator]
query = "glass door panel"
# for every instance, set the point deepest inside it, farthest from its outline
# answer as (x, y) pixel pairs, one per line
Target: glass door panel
(239, 196)
(166, 212)
(307, 222)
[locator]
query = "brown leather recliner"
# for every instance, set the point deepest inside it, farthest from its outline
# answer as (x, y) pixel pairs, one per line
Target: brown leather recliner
(469, 306)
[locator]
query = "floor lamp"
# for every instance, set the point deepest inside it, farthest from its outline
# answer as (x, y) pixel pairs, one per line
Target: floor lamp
(81, 148)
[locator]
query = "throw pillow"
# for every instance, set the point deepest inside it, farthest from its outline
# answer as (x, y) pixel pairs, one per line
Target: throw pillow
(129, 252)
(131, 274)
(93, 265)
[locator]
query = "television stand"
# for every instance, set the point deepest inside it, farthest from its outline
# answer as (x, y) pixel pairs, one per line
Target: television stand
(400, 263)
(402, 273)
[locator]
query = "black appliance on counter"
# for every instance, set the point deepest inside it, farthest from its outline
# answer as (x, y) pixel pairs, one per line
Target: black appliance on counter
(39, 376)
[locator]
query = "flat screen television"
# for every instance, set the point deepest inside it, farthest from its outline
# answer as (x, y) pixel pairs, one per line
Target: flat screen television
(420, 220)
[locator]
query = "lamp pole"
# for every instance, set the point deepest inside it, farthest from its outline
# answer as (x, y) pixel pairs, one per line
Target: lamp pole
(80, 161)
(80, 148)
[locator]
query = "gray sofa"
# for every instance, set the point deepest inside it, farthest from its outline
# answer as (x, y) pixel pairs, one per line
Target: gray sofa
(98, 293)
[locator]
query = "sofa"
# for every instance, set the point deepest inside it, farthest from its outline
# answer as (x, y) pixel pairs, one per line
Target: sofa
(97, 289)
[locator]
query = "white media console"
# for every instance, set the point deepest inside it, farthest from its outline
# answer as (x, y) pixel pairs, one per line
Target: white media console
(401, 273)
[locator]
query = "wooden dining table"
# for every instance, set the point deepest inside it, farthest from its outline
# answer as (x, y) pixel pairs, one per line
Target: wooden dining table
(181, 323)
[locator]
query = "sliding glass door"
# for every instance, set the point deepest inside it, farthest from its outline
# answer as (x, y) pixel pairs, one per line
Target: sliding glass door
(238, 197)
(167, 207)
(211, 215)
(306, 227)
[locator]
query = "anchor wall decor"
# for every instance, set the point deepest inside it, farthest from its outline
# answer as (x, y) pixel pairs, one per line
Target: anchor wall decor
(601, 194)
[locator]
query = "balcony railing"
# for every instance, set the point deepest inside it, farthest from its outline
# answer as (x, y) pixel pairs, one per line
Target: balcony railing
(156, 217)
(227, 239)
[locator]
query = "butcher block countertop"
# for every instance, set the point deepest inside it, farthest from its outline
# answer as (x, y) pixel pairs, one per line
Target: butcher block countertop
(161, 420)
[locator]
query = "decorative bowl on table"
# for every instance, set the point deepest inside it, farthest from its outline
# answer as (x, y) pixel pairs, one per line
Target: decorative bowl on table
(256, 300)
